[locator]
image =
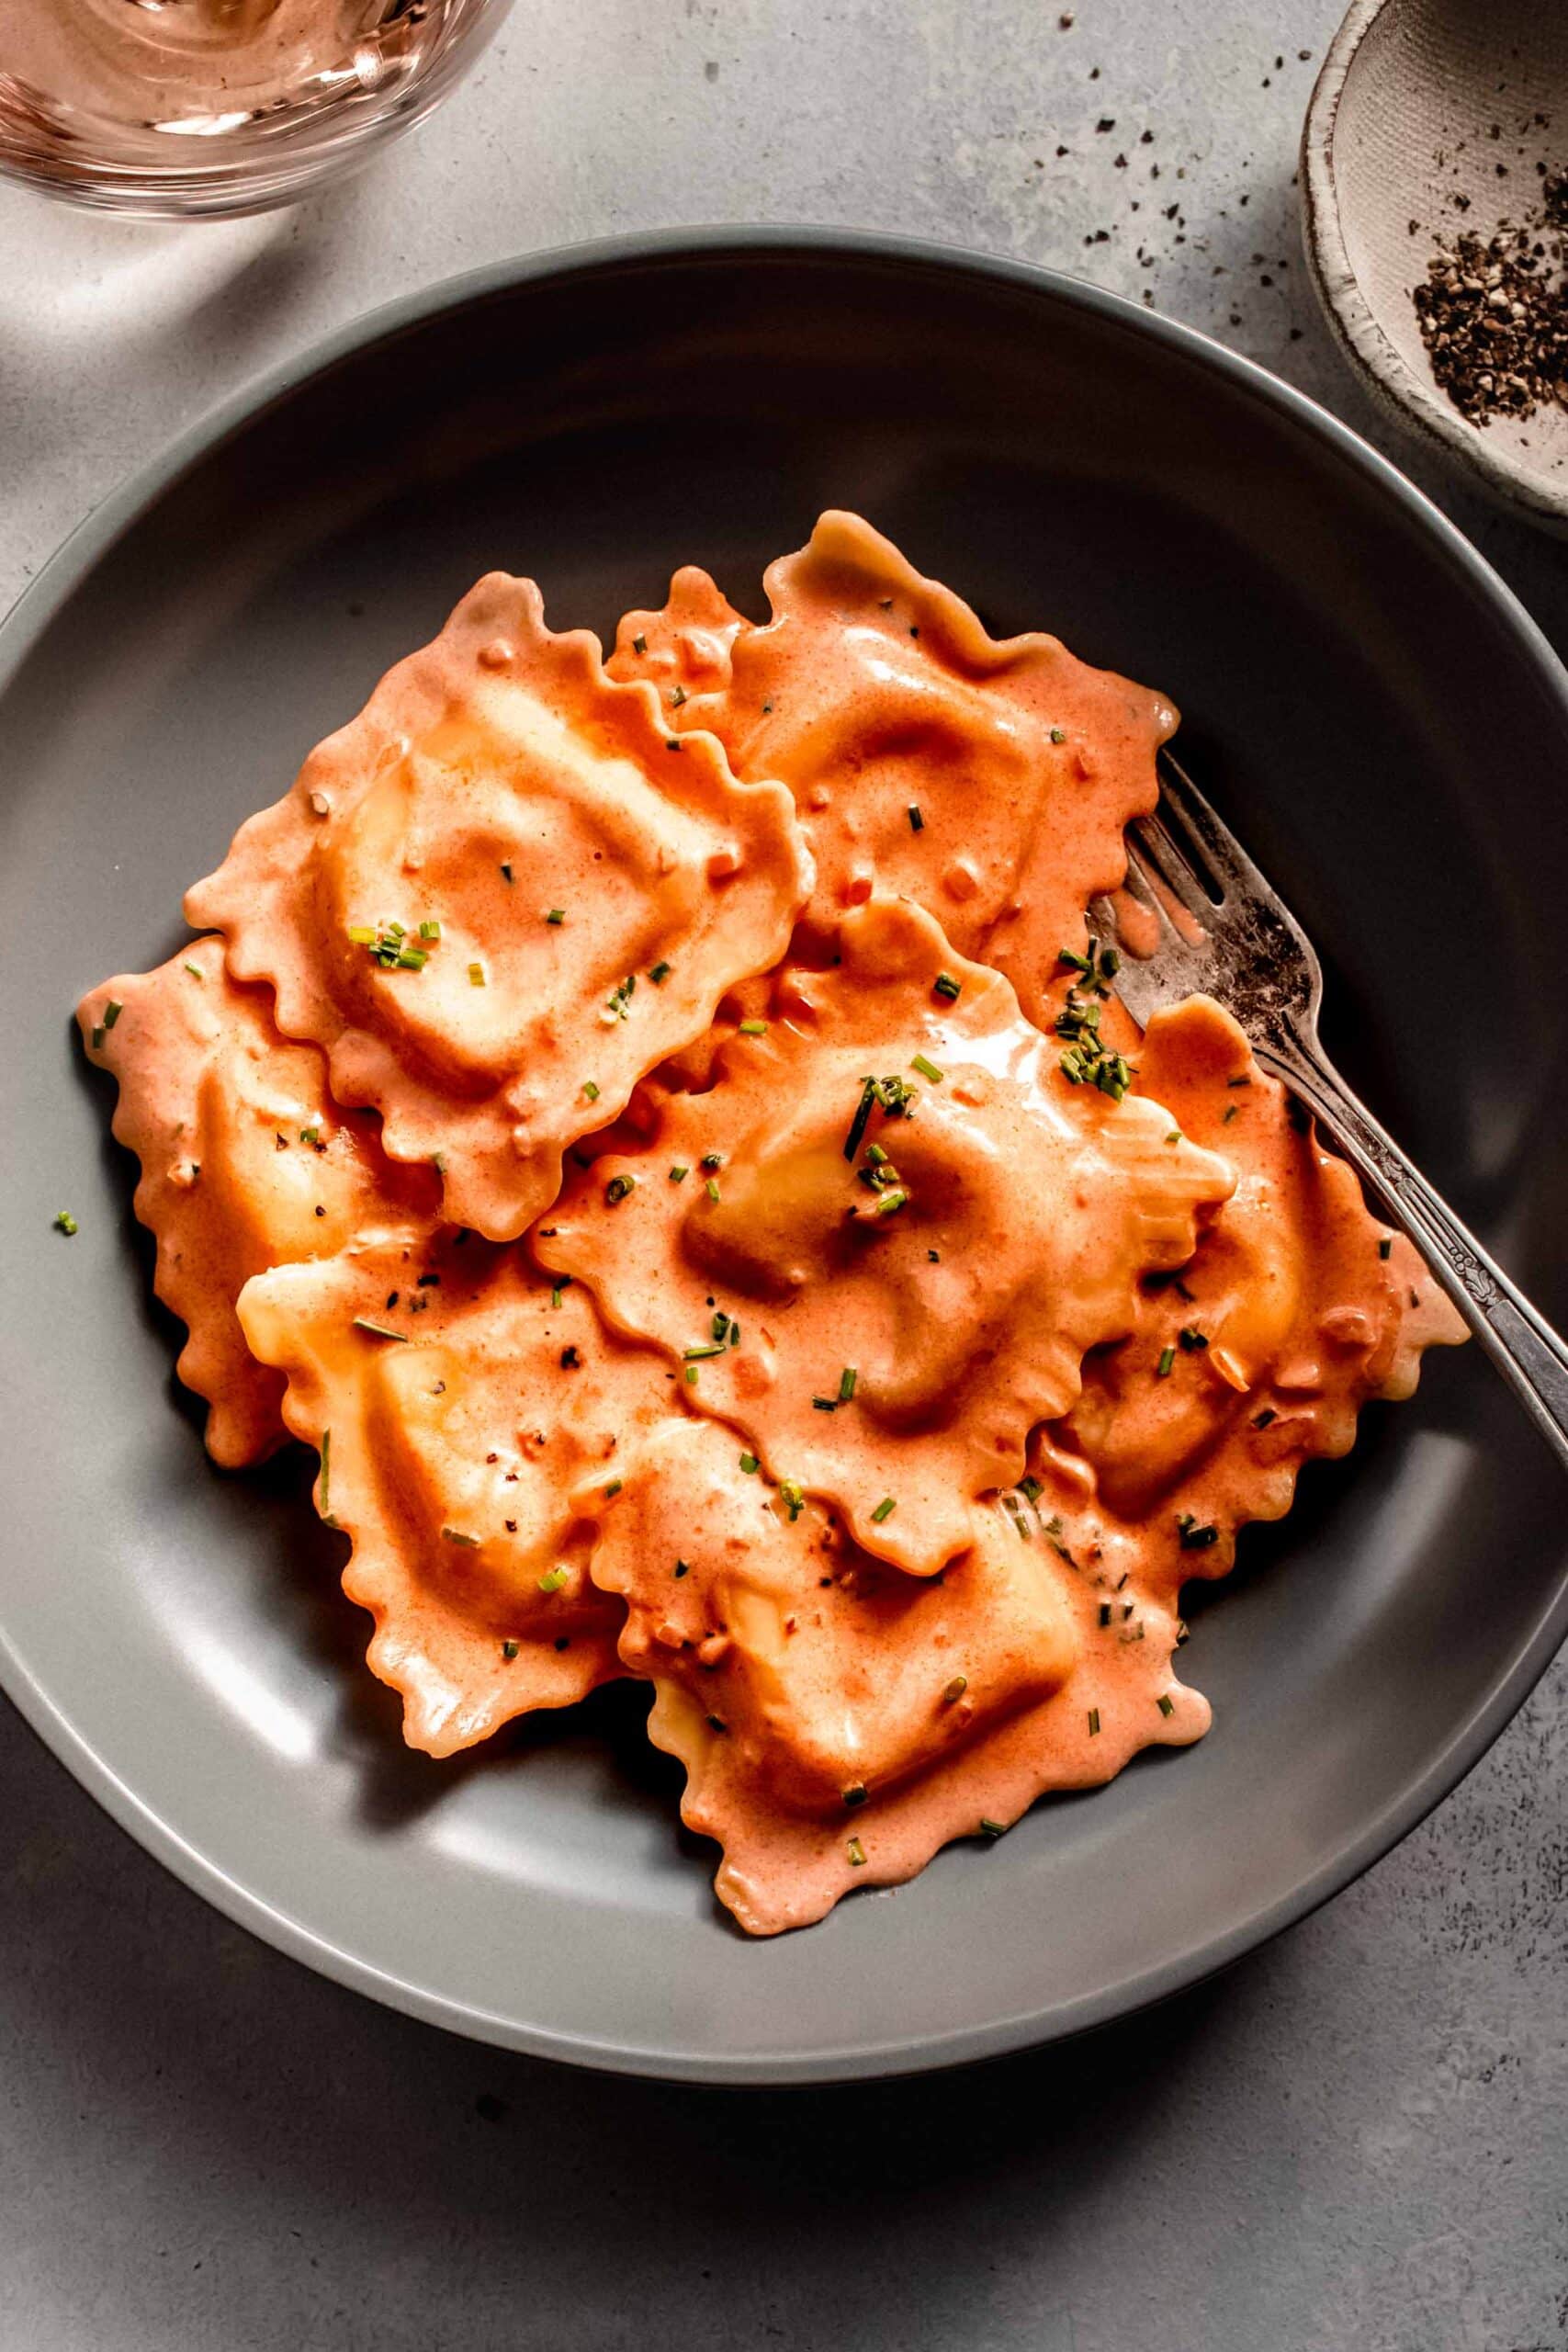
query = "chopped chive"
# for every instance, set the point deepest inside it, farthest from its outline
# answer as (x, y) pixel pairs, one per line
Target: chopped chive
(753, 1028)
(1238, 1081)
(928, 1069)
(856, 1794)
(701, 1354)
(917, 822)
(377, 1330)
(863, 1114)
(1058, 734)
(884, 1510)
(945, 985)
(716, 1722)
(412, 959)
(325, 1506)
(660, 974)
(1385, 1248)
(614, 1487)
(713, 1160)
(1167, 1358)
(890, 1203)
(431, 930)
(711, 1189)
(508, 1649)
(1174, 1135)
(1031, 1488)
(1230, 1113)
(591, 1090)
(992, 1829)
(678, 697)
(362, 934)
(556, 1296)
(1094, 1722)
(553, 1579)
(691, 1376)
(476, 976)
(935, 1257)
(1193, 1537)
(639, 644)
(682, 1569)
(1192, 1339)
(66, 1223)
(856, 1853)
(455, 1535)
(748, 1463)
(195, 970)
(1261, 1420)
(671, 742)
(99, 1033)
(557, 915)
(1105, 1612)
(847, 1379)
(824, 1403)
(953, 1691)
(876, 1156)
(617, 1188)
(678, 1174)
(720, 1326)
(1166, 1705)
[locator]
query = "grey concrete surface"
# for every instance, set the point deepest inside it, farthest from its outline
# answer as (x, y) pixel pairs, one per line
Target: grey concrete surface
(1356, 2141)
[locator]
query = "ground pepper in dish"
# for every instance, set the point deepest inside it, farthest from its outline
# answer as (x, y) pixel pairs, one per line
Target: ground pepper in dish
(1494, 317)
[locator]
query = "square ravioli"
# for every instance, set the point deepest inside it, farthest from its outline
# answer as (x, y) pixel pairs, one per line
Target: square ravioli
(246, 1163)
(500, 895)
(457, 1397)
(839, 1720)
(881, 1243)
(987, 779)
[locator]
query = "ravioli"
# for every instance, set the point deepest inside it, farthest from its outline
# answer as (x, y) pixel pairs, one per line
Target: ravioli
(1298, 1306)
(687, 648)
(882, 1242)
(839, 1720)
(500, 895)
(456, 1399)
(246, 1162)
(987, 779)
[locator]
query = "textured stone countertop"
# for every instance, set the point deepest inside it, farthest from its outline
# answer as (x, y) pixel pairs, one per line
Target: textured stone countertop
(1355, 2142)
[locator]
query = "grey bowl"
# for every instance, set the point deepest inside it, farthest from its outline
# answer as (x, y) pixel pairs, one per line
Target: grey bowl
(1368, 704)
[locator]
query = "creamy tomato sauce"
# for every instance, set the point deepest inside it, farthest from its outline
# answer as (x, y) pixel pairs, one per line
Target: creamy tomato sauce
(875, 1330)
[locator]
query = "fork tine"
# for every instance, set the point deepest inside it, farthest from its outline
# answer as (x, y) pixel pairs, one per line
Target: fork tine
(1161, 852)
(1150, 884)
(1216, 846)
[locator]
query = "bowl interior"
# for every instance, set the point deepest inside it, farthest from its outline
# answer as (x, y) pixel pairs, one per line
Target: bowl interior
(1363, 701)
(1451, 116)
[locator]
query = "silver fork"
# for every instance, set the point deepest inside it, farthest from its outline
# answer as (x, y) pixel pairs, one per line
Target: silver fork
(1224, 931)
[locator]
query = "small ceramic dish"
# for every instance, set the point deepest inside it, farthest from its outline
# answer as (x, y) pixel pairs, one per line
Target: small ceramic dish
(1433, 119)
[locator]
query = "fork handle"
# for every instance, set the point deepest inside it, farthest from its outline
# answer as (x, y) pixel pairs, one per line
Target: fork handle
(1520, 1343)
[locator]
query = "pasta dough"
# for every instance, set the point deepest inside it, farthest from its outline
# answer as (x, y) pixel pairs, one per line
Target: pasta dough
(952, 1256)
(246, 1162)
(456, 1399)
(500, 895)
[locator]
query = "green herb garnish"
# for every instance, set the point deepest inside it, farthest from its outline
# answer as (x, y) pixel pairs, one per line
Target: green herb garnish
(928, 1069)
(66, 1223)
(884, 1510)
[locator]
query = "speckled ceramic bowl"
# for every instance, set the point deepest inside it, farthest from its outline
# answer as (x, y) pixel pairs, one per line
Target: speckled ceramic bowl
(1434, 118)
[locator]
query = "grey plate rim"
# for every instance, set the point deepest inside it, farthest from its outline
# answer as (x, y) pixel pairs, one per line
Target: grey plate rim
(20, 629)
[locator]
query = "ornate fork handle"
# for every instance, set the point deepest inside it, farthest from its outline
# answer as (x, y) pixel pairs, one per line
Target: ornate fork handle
(1524, 1347)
